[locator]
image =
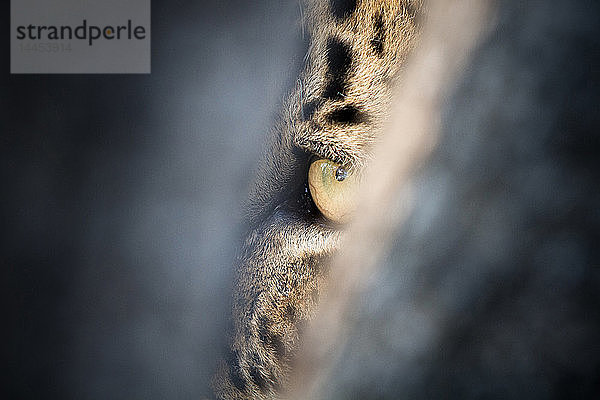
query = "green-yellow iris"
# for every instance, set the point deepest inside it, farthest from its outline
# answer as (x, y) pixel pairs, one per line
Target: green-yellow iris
(333, 189)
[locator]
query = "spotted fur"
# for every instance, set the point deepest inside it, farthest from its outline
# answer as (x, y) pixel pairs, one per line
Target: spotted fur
(357, 51)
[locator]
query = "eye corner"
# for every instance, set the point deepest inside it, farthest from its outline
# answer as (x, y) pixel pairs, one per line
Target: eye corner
(305, 203)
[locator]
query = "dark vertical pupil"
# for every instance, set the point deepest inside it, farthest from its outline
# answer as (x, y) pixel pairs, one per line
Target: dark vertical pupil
(341, 174)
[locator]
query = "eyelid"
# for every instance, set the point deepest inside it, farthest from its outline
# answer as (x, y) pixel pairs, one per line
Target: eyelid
(315, 157)
(327, 150)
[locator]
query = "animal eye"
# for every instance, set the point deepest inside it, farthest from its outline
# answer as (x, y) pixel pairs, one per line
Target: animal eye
(333, 189)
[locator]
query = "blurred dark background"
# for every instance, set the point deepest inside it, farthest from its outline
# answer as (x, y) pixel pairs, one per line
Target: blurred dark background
(122, 197)
(121, 202)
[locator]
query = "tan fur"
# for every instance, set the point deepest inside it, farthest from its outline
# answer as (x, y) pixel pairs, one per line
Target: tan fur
(283, 266)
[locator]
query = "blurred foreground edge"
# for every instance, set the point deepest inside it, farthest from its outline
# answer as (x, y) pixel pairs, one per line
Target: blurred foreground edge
(472, 269)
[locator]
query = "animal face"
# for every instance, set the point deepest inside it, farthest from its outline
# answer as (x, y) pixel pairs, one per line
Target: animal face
(307, 183)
